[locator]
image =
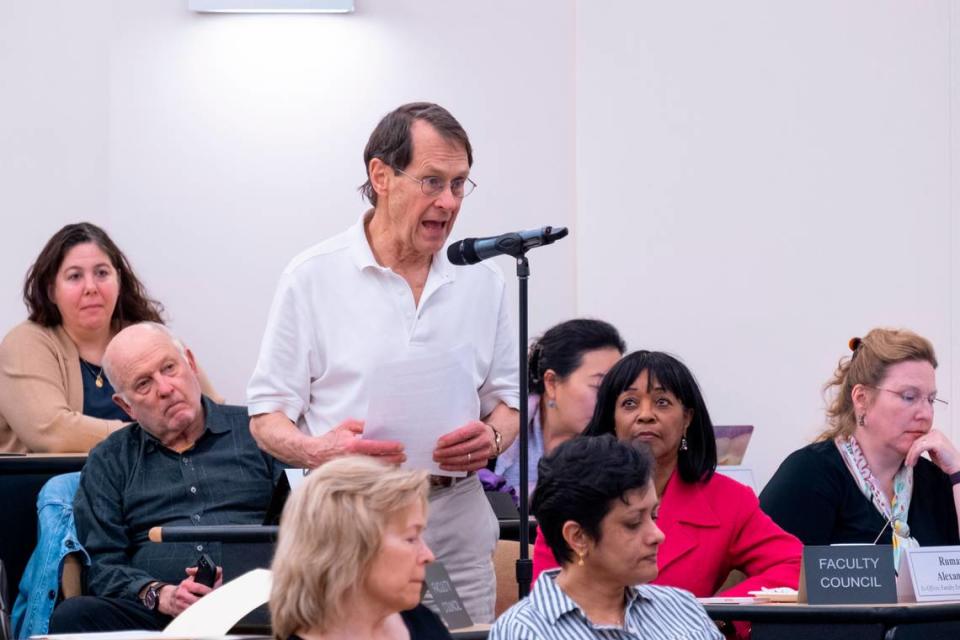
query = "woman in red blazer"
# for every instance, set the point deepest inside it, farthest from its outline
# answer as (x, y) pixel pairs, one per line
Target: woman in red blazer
(712, 524)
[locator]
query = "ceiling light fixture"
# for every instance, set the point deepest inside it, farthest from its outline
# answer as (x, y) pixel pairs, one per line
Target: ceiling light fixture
(271, 6)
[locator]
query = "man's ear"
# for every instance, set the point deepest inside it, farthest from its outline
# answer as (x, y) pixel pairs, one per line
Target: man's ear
(191, 361)
(123, 404)
(380, 173)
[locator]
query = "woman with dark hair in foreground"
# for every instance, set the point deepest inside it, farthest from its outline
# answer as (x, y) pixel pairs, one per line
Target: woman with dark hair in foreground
(713, 524)
(597, 509)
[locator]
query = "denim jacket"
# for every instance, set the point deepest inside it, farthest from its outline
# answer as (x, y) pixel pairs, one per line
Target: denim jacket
(56, 538)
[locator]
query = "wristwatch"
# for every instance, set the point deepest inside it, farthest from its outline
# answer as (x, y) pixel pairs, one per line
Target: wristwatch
(497, 439)
(151, 595)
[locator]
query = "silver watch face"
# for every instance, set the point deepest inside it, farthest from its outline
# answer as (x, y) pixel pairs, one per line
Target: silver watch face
(151, 597)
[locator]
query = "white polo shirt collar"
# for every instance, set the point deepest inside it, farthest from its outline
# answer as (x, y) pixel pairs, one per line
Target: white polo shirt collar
(441, 271)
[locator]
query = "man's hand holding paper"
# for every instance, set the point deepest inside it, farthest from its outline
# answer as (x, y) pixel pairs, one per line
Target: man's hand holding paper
(465, 449)
(416, 403)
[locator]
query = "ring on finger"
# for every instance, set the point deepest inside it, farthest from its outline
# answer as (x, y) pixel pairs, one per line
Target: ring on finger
(469, 457)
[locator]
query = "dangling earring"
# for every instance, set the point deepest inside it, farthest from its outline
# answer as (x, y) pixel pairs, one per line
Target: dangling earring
(683, 443)
(579, 558)
(551, 404)
(860, 420)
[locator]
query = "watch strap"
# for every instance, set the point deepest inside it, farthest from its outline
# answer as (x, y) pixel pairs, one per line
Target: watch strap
(151, 595)
(497, 439)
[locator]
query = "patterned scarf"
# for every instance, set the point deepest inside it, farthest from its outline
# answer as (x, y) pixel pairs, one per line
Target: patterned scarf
(895, 513)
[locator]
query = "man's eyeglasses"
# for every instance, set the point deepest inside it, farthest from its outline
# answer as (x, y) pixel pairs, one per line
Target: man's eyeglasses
(434, 186)
(911, 396)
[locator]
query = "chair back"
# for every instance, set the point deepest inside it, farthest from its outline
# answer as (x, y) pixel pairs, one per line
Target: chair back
(4, 605)
(505, 565)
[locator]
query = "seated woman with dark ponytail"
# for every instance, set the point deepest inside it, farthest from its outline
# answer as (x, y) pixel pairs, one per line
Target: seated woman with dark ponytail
(567, 364)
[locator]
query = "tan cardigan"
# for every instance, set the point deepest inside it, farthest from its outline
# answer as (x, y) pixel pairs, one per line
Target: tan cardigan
(41, 394)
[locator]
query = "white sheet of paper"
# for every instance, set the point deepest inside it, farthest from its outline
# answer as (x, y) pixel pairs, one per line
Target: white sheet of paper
(296, 477)
(209, 617)
(217, 612)
(419, 399)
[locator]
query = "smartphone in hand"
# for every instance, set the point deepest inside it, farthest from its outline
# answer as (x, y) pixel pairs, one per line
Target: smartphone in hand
(206, 571)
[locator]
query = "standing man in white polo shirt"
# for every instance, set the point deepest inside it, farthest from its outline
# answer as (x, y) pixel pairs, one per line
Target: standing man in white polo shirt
(373, 294)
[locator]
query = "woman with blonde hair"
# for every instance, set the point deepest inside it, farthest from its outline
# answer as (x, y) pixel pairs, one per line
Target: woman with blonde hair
(350, 559)
(864, 480)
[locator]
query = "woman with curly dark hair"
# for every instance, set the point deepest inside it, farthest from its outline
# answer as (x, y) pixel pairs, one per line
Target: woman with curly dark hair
(80, 291)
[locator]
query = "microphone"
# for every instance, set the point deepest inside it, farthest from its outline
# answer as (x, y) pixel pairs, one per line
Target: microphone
(473, 250)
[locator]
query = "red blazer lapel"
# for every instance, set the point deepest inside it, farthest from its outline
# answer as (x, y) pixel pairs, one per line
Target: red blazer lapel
(684, 513)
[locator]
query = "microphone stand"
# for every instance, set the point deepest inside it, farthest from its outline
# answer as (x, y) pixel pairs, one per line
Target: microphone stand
(516, 245)
(513, 244)
(524, 564)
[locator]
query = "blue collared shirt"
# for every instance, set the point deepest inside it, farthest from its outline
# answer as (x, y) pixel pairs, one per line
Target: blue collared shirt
(651, 613)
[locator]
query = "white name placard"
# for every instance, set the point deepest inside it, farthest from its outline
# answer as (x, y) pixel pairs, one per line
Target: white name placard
(930, 574)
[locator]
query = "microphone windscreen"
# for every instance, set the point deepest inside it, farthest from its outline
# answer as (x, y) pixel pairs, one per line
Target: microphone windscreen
(462, 252)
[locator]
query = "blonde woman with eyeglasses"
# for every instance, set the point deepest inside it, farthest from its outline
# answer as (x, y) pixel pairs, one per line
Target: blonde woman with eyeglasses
(865, 480)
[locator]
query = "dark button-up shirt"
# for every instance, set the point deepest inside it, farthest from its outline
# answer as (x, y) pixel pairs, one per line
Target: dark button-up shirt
(131, 483)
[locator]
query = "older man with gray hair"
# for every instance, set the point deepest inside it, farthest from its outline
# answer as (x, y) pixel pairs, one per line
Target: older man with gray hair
(381, 292)
(185, 461)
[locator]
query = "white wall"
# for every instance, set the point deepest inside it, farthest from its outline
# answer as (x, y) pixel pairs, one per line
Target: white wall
(219, 146)
(758, 182)
(53, 130)
(749, 183)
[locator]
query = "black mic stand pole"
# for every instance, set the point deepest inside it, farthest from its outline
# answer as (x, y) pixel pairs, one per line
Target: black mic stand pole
(513, 244)
(524, 564)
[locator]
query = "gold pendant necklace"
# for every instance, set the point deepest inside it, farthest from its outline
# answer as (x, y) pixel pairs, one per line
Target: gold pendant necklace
(99, 374)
